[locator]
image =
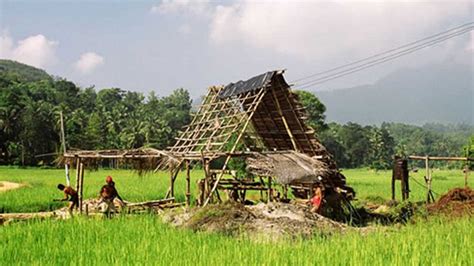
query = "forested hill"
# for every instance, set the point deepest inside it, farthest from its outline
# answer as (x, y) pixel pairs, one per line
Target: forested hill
(431, 94)
(22, 71)
(112, 118)
(31, 101)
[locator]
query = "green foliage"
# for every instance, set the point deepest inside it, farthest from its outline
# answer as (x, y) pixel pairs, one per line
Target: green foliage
(314, 108)
(110, 118)
(19, 71)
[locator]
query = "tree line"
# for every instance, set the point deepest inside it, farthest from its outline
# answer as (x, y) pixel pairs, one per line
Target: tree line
(107, 119)
(113, 118)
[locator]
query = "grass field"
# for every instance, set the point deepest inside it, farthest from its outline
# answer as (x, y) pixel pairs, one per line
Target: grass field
(146, 240)
(40, 185)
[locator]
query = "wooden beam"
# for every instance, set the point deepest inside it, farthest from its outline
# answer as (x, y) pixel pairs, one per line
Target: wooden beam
(438, 158)
(249, 118)
(292, 138)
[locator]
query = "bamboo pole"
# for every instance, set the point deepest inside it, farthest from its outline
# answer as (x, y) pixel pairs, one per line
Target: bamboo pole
(438, 158)
(188, 184)
(249, 118)
(292, 138)
(78, 163)
(466, 174)
(270, 192)
(428, 178)
(81, 186)
(171, 183)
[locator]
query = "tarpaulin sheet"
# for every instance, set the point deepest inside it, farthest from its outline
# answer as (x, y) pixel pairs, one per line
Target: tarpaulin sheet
(245, 86)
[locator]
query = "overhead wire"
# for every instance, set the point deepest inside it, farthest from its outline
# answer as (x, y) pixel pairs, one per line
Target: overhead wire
(389, 55)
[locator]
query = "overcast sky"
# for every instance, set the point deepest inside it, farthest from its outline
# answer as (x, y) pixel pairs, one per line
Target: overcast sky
(163, 45)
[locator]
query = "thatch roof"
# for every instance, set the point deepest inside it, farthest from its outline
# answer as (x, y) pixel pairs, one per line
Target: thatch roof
(294, 168)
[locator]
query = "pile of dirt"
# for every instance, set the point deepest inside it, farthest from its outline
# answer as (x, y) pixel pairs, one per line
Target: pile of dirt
(458, 201)
(262, 221)
(6, 186)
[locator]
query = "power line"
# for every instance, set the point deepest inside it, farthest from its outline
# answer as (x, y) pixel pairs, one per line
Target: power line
(381, 60)
(389, 55)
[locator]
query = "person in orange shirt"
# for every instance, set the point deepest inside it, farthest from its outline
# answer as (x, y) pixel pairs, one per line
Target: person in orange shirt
(316, 200)
(69, 195)
(107, 194)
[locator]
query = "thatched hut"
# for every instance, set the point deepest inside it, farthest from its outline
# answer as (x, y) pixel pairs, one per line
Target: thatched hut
(260, 120)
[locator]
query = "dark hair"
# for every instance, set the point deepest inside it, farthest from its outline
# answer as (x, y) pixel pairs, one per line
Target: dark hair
(61, 186)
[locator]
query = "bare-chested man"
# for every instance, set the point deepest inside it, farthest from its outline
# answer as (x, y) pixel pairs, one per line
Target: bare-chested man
(69, 195)
(108, 193)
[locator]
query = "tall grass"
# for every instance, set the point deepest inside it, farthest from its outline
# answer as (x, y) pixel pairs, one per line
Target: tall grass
(145, 240)
(40, 185)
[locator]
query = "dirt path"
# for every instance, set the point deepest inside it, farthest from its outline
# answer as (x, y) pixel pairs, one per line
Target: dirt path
(6, 186)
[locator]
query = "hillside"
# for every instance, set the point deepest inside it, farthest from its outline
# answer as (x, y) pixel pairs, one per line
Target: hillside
(25, 72)
(435, 93)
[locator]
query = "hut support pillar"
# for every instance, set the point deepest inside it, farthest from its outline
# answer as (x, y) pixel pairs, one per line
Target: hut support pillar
(78, 162)
(429, 196)
(81, 185)
(173, 174)
(466, 174)
(188, 184)
(270, 191)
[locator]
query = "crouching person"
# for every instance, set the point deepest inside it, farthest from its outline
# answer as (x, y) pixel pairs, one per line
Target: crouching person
(107, 195)
(316, 201)
(69, 195)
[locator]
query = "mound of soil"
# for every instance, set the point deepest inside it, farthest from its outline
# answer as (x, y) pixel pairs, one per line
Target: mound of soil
(262, 221)
(458, 201)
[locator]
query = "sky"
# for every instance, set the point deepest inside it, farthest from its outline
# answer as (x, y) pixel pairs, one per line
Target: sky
(164, 45)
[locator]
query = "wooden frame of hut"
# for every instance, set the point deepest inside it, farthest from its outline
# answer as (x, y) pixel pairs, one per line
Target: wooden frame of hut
(259, 120)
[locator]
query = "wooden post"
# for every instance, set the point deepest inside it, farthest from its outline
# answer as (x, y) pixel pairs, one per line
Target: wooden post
(466, 173)
(188, 184)
(81, 186)
(207, 177)
(171, 183)
(285, 123)
(78, 172)
(270, 192)
(393, 187)
(63, 136)
(428, 179)
(173, 179)
(249, 118)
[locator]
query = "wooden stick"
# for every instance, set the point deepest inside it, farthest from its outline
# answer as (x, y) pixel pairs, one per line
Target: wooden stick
(81, 186)
(292, 138)
(435, 158)
(78, 163)
(188, 184)
(466, 174)
(262, 93)
(428, 179)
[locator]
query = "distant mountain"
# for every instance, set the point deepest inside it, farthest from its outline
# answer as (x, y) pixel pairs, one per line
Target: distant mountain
(435, 93)
(25, 72)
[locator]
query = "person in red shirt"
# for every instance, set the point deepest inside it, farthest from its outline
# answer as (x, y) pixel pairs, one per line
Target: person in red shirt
(316, 200)
(108, 193)
(69, 195)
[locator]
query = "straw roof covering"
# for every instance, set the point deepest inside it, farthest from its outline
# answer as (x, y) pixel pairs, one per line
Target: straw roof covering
(294, 168)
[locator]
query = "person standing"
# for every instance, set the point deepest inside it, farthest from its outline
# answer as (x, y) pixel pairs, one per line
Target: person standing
(107, 194)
